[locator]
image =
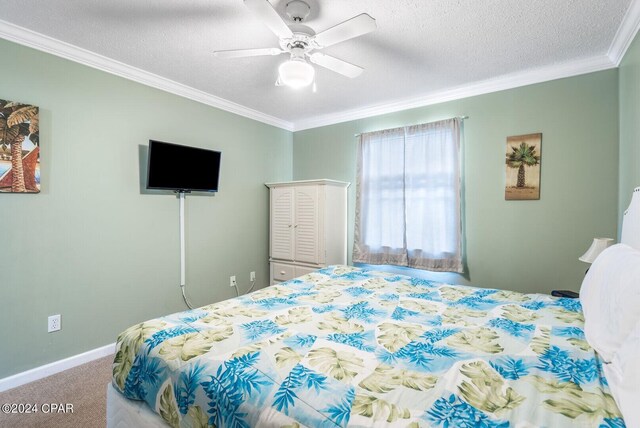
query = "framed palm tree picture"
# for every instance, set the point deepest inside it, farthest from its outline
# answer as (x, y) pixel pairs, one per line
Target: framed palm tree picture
(19, 148)
(523, 159)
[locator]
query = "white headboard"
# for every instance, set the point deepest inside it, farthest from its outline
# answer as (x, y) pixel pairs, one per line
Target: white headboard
(631, 222)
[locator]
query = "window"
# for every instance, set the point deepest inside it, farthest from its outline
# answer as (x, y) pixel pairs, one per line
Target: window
(408, 197)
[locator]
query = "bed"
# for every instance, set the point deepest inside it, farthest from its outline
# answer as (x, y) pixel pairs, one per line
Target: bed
(344, 346)
(347, 346)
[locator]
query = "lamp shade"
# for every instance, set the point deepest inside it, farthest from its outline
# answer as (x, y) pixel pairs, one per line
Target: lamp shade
(597, 246)
(296, 73)
(631, 222)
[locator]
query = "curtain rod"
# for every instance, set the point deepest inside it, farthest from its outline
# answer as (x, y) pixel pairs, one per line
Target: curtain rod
(456, 117)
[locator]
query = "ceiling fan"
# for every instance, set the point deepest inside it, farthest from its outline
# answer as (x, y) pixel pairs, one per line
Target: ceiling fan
(300, 42)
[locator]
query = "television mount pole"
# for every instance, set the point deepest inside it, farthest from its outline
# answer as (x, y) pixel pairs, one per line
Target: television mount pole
(183, 267)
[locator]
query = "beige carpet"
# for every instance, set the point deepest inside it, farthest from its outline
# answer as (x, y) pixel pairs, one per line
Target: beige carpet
(85, 387)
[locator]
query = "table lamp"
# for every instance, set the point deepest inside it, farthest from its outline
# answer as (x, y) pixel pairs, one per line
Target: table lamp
(597, 246)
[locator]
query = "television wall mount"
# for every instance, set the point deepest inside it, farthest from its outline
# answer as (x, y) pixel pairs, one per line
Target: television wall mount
(181, 198)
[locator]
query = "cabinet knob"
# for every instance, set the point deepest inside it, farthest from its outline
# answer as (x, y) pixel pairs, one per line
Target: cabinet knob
(282, 272)
(289, 225)
(295, 226)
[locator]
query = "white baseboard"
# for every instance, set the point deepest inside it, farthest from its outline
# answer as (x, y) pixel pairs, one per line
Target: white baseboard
(55, 367)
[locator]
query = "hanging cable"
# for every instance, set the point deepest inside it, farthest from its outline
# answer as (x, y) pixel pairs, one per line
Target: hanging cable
(185, 298)
(181, 195)
(253, 284)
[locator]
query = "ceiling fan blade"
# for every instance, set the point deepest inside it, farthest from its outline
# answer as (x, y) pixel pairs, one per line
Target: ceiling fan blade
(266, 12)
(335, 64)
(354, 27)
(240, 53)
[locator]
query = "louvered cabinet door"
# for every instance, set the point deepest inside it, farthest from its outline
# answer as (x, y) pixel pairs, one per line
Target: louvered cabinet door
(306, 224)
(282, 222)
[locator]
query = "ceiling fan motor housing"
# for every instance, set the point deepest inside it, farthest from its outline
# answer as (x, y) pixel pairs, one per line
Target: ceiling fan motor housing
(298, 41)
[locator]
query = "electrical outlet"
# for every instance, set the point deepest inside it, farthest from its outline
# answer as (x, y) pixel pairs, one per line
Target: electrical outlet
(252, 276)
(54, 323)
(232, 281)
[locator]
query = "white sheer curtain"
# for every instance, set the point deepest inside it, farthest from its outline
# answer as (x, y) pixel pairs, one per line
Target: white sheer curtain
(408, 197)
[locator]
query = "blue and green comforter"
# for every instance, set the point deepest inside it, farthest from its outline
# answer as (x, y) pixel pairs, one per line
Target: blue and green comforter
(349, 347)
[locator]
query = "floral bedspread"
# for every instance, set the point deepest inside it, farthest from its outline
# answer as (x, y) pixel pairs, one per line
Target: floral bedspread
(349, 347)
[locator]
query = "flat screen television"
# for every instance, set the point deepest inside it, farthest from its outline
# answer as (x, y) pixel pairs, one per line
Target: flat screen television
(182, 168)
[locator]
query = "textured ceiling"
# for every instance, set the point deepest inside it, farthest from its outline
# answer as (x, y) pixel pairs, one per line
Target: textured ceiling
(420, 46)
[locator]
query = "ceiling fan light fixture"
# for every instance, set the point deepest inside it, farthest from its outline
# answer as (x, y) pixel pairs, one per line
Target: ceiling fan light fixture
(296, 73)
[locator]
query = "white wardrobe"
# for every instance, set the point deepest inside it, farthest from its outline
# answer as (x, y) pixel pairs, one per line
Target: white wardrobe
(308, 227)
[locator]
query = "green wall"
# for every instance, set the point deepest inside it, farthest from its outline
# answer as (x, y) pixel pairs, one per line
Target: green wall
(629, 75)
(529, 246)
(92, 245)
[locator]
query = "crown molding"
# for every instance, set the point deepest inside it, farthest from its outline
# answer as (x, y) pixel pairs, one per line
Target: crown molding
(626, 33)
(32, 39)
(500, 83)
(624, 37)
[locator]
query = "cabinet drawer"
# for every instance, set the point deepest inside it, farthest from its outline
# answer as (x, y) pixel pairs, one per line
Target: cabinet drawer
(282, 272)
(303, 270)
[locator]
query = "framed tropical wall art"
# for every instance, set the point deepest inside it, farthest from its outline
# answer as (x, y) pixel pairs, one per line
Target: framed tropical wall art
(522, 160)
(19, 148)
